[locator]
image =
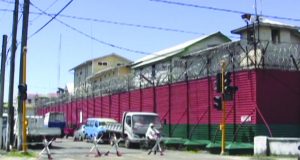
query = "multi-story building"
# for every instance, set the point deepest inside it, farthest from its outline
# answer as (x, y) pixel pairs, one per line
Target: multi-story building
(264, 66)
(89, 73)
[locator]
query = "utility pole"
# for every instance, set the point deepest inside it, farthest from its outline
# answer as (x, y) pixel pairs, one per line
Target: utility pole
(223, 124)
(10, 122)
(2, 79)
(22, 123)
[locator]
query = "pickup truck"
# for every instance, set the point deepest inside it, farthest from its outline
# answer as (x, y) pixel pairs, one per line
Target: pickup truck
(36, 131)
(55, 120)
(134, 126)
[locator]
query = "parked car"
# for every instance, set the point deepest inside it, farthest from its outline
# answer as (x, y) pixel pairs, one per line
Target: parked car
(95, 127)
(79, 134)
(69, 131)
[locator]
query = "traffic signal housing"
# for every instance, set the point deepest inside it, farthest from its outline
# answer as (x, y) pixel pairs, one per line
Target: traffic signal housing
(218, 83)
(227, 82)
(23, 91)
(228, 89)
(218, 103)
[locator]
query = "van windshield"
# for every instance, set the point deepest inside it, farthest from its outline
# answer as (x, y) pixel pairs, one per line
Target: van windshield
(145, 120)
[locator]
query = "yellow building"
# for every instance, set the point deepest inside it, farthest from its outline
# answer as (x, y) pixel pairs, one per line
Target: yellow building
(89, 74)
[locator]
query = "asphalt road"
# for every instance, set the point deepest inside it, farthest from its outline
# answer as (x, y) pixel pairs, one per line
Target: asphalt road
(67, 149)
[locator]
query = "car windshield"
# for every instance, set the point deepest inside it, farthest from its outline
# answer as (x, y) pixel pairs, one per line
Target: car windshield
(142, 120)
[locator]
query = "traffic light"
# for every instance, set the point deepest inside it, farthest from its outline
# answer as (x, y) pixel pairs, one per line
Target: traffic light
(218, 103)
(218, 83)
(227, 82)
(228, 89)
(23, 91)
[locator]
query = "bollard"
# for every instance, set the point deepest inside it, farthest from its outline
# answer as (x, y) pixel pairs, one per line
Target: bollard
(299, 153)
(46, 147)
(156, 147)
(95, 145)
(115, 145)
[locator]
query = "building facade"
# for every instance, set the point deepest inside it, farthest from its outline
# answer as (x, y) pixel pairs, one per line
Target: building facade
(265, 70)
(87, 75)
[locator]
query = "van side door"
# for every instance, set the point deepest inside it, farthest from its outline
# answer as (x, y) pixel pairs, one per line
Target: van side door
(128, 125)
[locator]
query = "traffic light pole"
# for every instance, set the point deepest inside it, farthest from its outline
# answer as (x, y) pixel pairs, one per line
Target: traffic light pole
(22, 140)
(25, 121)
(223, 124)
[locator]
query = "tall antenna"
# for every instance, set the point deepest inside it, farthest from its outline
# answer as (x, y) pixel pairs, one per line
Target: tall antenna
(261, 7)
(58, 62)
(92, 46)
(255, 7)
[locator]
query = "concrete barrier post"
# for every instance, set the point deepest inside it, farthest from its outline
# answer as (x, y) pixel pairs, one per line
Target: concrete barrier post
(260, 145)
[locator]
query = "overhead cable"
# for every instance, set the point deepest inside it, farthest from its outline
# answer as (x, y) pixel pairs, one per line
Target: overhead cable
(124, 24)
(44, 10)
(222, 10)
(51, 19)
(91, 37)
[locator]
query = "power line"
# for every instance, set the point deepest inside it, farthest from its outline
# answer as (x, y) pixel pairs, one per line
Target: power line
(130, 24)
(6, 1)
(91, 37)
(198, 6)
(121, 23)
(44, 10)
(117, 23)
(6, 10)
(51, 19)
(125, 24)
(8, 50)
(221, 9)
(209, 8)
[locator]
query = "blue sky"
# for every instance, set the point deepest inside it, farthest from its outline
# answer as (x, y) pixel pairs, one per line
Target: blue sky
(45, 53)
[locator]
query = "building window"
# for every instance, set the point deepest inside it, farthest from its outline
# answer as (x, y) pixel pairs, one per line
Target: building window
(102, 63)
(275, 36)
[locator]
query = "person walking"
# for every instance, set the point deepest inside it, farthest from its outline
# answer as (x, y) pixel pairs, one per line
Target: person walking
(153, 134)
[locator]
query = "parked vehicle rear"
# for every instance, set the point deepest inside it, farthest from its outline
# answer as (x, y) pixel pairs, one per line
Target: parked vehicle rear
(55, 119)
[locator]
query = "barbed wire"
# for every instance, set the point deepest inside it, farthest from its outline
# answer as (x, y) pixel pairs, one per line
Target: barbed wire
(196, 65)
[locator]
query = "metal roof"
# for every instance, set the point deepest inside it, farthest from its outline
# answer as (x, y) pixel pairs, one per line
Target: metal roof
(163, 54)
